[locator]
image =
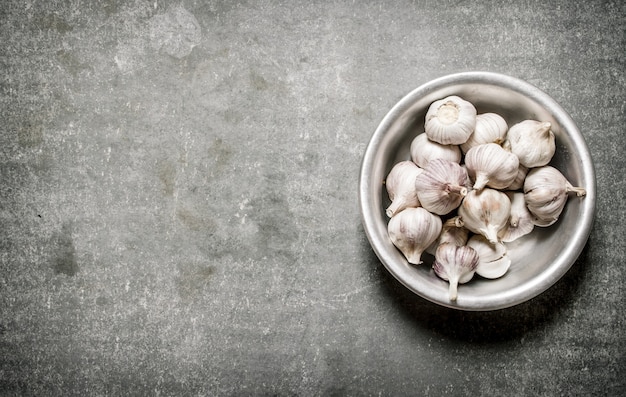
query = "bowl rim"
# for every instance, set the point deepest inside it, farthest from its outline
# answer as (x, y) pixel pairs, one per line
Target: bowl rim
(369, 214)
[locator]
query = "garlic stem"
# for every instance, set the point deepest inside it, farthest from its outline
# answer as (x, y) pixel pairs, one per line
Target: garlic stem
(453, 288)
(481, 181)
(456, 189)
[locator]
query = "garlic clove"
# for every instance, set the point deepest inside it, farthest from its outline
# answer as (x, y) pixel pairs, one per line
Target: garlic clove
(485, 212)
(452, 232)
(423, 150)
(450, 121)
(455, 264)
(490, 165)
(490, 128)
(441, 187)
(532, 142)
(412, 231)
(400, 184)
(546, 191)
(493, 261)
(520, 221)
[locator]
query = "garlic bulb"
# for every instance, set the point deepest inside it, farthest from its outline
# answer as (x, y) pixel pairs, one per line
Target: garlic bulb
(546, 192)
(532, 142)
(412, 231)
(485, 212)
(441, 187)
(520, 221)
(423, 150)
(400, 184)
(493, 262)
(518, 182)
(490, 128)
(452, 232)
(450, 121)
(455, 264)
(490, 165)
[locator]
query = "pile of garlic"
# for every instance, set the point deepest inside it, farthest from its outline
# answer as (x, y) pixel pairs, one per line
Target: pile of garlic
(472, 185)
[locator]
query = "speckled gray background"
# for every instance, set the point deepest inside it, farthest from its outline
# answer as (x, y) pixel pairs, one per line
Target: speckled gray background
(178, 199)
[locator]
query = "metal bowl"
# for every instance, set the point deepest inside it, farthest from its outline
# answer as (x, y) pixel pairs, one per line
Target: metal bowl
(540, 258)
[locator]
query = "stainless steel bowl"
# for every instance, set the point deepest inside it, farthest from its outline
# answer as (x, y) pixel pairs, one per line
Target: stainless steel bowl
(538, 259)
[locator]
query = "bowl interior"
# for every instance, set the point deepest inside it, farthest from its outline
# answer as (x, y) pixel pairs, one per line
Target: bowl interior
(538, 259)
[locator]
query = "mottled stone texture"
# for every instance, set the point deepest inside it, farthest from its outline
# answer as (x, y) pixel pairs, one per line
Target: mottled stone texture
(178, 199)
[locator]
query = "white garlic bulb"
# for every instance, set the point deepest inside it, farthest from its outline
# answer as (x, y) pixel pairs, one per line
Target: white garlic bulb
(490, 128)
(493, 261)
(400, 184)
(520, 221)
(532, 142)
(490, 165)
(423, 150)
(518, 182)
(485, 212)
(441, 187)
(455, 264)
(450, 121)
(546, 192)
(412, 231)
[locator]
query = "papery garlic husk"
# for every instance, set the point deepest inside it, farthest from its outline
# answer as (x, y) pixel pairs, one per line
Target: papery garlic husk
(450, 121)
(455, 264)
(452, 232)
(485, 212)
(423, 150)
(400, 184)
(490, 128)
(520, 221)
(532, 142)
(412, 231)
(490, 165)
(518, 182)
(441, 187)
(546, 192)
(493, 261)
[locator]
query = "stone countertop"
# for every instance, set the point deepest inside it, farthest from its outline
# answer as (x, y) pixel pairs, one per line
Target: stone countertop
(178, 199)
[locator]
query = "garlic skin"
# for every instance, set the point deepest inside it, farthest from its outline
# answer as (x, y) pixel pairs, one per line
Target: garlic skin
(485, 212)
(450, 121)
(423, 150)
(455, 264)
(441, 187)
(400, 184)
(493, 261)
(490, 128)
(520, 221)
(546, 191)
(412, 231)
(532, 142)
(518, 182)
(490, 165)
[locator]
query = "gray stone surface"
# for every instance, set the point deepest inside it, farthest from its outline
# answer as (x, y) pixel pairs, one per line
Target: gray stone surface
(178, 199)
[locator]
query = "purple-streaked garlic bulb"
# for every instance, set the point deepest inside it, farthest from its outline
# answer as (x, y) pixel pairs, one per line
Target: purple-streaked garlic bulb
(412, 231)
(400, 184)
(546, 191)
(455, 264)
(441, 187)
